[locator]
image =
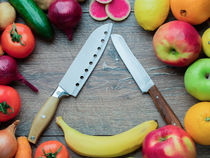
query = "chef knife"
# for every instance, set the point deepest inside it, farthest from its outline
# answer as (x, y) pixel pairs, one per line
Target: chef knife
(74, 78)
(143, 80)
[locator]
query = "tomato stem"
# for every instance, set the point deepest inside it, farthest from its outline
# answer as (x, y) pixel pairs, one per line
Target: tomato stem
(51, 155)
(14, 35)
(4, 108)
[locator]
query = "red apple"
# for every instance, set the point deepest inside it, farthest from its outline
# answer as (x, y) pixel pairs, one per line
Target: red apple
(177, 43)
(169, 142)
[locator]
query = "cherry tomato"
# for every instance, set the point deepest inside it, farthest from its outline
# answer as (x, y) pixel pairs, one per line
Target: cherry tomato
(9, 103)
(51, 148)
(17, 40)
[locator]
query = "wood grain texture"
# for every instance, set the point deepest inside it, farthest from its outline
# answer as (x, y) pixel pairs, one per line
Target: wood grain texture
(110, 101)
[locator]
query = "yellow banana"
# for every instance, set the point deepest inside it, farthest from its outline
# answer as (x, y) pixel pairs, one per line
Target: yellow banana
(106, 146)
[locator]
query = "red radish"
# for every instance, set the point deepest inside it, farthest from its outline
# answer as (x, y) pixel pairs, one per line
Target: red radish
(65, 14)
(118, 10)
(97, 11)
(104, 1)
(9, 72)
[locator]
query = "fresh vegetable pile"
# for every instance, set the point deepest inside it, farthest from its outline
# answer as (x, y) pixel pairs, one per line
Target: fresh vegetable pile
(176, 43)
(18, 42)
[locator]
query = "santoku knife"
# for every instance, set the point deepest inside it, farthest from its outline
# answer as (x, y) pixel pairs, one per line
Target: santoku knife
(143, 80)
(74, 79)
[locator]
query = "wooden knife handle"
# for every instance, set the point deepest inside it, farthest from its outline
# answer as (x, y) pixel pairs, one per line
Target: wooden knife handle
(166, 112)
(42, 119)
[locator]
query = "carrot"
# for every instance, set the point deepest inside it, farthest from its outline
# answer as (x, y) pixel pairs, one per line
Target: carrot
(1, 51)
(24, 149)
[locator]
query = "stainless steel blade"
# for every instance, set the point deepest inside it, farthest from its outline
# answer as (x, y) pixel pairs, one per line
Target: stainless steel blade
(86, 60)
(135, 68)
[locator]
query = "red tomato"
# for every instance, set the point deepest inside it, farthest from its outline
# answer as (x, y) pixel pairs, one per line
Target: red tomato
(21, 43)
(9, 103)
(50, 149)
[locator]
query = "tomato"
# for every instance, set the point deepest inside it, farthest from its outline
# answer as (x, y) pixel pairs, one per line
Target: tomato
(51, 149)
(9, 103)
(17, 40)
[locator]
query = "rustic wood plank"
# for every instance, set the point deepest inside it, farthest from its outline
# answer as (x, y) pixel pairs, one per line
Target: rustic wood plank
(110, 102)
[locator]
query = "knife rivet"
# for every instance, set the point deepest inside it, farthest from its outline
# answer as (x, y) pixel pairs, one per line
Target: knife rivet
(43, 116)
(95, 55)
(32, 137)
(102, 40)
(157, 97)
(77, 84)
(81, 77)
(105, 32)
(90, 62)
(58, 92)
(86, 70)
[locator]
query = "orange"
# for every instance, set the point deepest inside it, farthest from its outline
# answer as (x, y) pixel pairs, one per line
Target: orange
(192, 11)
(197, 122)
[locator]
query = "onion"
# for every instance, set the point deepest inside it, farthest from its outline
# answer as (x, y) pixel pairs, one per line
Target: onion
(8, 145)
(65, 14)
(9, 72)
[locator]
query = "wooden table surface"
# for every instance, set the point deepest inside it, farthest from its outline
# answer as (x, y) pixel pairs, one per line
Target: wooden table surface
(110, 101)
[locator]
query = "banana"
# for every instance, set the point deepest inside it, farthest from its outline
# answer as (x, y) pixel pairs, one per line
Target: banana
(106, 146)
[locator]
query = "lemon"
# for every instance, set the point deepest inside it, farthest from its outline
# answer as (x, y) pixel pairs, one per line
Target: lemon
(206, 42)
(150, 14)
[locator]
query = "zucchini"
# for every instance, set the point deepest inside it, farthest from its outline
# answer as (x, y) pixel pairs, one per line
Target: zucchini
(34, 17)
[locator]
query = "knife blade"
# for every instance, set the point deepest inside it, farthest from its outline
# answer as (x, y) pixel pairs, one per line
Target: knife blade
(143, 80)
(74, 79)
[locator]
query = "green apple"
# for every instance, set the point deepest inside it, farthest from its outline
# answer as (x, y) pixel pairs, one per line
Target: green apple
(197, 79)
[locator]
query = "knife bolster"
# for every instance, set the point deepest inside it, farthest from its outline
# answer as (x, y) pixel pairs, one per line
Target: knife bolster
(59, 93)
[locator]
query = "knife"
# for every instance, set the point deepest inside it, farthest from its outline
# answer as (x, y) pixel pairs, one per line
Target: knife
(143, 80)
(73, 80)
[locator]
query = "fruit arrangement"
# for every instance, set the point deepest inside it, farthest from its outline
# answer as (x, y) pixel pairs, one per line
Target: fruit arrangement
(176, 43)
(106, 146)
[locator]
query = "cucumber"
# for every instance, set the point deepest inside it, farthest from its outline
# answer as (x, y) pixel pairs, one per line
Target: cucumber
(34, 17)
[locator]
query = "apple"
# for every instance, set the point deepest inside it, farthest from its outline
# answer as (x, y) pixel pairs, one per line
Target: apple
(177, 43)
(197, 79)
(169, 142)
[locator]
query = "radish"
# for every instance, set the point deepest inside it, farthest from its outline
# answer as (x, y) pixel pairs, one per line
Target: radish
(9, 72)
(104, 1)
(97, 11)
(118, 10)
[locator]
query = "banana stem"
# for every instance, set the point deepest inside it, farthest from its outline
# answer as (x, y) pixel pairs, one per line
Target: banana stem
(60, 122)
